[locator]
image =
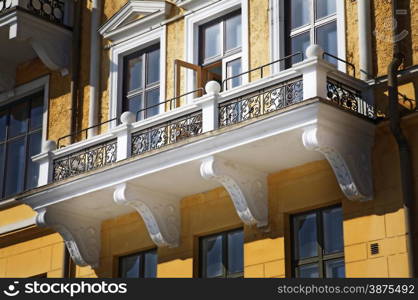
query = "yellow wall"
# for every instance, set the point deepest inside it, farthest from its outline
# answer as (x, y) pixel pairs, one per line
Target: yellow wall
(35, 257)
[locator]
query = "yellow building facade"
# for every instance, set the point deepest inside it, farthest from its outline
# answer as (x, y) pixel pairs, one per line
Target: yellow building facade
(253, 175)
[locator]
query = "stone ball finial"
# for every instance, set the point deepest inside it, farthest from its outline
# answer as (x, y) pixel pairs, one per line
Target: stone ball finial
(49, 146)
(128, 118)
(314, 51)
(213, 87)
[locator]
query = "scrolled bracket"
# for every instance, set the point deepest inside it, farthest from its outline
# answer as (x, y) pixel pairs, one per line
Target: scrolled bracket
(81, 234)
(246, 187)
(349, 156)
(160, 212)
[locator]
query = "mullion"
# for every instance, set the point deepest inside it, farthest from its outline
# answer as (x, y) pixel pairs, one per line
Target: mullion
(320, 243)
(225, 255)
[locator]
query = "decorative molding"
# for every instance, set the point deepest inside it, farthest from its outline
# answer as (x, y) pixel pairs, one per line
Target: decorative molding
(135, 18)
(160, 212)
(349, 156)
(80, 233)
(246, 186)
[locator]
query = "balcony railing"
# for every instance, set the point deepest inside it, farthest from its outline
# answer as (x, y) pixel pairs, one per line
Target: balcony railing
(314, 78)
(262, 102)
(85, 160)
(51, 10)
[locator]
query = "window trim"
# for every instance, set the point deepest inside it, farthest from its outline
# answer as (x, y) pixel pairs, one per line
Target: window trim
(204, 16)
(279, 38)
(202, 266)
(321, 258)
(142, 265)
(118, 52)
(19, 93)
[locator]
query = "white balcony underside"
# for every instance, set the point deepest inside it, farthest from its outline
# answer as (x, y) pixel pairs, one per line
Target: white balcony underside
(239, 158)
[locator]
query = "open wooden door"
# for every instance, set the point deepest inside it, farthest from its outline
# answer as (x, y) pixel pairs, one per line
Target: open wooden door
(178, 64)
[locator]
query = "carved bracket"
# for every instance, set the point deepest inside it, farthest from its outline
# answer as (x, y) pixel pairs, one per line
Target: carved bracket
(80, 233)
(160, 212)
(349, 155)
(246, 186)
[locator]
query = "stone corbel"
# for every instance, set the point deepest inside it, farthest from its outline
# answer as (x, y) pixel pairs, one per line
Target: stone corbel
(51, 43)
(349, 155)
(80, 233)
(246, 186)
(160, 212)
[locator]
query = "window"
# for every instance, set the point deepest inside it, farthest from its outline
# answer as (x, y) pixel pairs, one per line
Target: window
(140, 265)
(222, 255)
(318, 245)
(220, 49)
(312, 22)
(20, 139)
(141, 82)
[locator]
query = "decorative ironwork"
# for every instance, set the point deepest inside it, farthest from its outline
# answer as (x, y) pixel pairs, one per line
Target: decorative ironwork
(263, 102)
(53, 10)
(5, 5)
(169, 133)
(349, 99)
(86, 160)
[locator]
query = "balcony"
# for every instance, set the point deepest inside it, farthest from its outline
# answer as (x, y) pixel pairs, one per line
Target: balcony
(34, 28)
(233, 138)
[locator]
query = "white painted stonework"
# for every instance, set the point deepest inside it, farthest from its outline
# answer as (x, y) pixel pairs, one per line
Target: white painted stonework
(159, 211)
(246, 187)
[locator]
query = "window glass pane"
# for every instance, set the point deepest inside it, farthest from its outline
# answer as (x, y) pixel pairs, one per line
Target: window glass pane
(299, 43)
(32, 173)
(3, 123)
(36, 112)
(153, 98)
(235, 252)
(153, 68)
(325, 8)
(134, 105)
(300, 12)
(233, 32)
(212, 40)
(15, 167)
(150, 270)
(1, 169)
(134, 73)
(18, 119)
(335, 268)
(212, 250)
(326, 36)
(309, 271)
(333, 230)
(234, 68)
(305, 235)
(130, 266)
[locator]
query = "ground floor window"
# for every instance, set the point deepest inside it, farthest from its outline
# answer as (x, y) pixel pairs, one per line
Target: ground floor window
(318, 244)
(139, 265)
(222, 255)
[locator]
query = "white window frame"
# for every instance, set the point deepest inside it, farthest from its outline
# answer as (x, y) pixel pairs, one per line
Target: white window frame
(278, 36)
(205, 15)
(27, 89)
(117, 55)
(225, 62)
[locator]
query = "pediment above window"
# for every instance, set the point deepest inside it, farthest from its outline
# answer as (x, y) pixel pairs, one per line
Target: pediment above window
(135, 17)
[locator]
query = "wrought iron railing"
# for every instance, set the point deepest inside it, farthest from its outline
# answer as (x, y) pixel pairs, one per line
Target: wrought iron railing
(348, 98)
(52, 10)
(85, 160)
(262, 102)
(166, 134)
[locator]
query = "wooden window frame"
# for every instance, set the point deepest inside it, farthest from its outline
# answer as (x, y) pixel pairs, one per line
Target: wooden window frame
(26, 135)
(202, 259)
(142, 260)
(321, 257)
(311, 27)
(145, 87)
